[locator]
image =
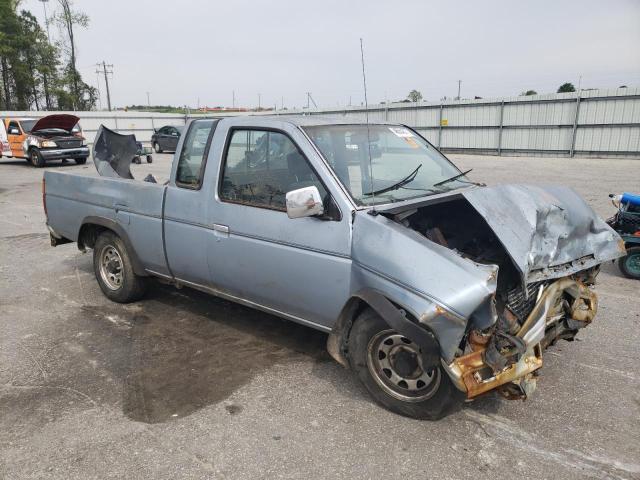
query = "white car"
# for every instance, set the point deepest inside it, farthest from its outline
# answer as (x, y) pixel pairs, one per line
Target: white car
(5, 149)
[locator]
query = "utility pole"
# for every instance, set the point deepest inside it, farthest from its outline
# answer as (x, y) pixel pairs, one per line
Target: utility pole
(99, 94)
(106, 70)
(148, 101)
(233, 99)
(459, 83)
(310, 98)
(259, 95)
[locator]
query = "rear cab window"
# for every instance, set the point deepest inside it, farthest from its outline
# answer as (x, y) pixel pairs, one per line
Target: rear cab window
(195, 147)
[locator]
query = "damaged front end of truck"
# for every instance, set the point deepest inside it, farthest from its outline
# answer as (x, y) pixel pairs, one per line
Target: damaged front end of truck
(496, 274)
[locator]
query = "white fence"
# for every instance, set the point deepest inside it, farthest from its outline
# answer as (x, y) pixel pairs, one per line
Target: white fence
(595, 123)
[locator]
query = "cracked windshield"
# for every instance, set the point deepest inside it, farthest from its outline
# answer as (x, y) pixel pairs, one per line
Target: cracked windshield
(403, 165)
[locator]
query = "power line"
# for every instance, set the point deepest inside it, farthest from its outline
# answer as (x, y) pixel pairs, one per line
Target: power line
(106, 73)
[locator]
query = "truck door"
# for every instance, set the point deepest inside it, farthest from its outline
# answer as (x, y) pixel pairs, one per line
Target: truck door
(186, 208)
(16, 137)
(299, 267)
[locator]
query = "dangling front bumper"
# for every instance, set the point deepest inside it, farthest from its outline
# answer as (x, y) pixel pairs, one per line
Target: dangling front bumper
(553, 317)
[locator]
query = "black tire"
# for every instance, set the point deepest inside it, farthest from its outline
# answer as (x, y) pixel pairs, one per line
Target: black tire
(137, 160)
(431, 403)
(36, 158)
(156, 147)
(130, 286)
(149, 159)
(628, 264)
(81, 161)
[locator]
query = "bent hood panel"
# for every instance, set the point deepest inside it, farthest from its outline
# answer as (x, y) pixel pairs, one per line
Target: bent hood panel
(549, 231)
(63, 121)
(113, 153)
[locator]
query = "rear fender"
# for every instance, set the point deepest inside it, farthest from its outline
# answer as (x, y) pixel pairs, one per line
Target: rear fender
(92, 226)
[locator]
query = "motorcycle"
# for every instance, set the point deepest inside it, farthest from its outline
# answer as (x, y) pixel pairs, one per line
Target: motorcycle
(626, 222)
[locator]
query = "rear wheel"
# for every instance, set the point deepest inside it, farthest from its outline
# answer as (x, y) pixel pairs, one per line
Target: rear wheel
(156, 147)
(630, 264)
(114, 270)
(149, 159)
(81, 161)
(36, 158)
(389, 365)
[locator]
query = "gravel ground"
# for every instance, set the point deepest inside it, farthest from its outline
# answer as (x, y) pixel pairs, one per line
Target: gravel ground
(182, 385)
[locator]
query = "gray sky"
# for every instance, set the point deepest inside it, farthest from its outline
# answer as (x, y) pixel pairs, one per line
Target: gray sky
(180, 51)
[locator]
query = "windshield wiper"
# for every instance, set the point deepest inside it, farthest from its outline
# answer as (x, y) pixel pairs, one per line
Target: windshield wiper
(455, 177)
(409, 178)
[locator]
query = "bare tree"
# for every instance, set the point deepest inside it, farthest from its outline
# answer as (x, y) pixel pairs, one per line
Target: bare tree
(67, 19)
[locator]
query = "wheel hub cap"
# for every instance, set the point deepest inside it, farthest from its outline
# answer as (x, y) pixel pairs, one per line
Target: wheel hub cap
(395, 363)
(111, 267)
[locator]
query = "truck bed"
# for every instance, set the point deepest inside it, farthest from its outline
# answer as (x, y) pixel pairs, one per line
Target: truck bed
(135, 206)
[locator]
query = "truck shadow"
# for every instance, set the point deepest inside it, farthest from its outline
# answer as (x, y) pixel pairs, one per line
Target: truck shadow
(181, 350)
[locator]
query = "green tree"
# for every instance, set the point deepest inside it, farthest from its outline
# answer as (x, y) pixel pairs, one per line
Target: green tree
(528, 92)
(566, 87)
(414, 96)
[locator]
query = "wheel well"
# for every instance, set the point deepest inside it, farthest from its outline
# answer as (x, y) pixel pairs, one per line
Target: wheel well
(88, 235)
(94, 226)
(337, 341)
(392, 313)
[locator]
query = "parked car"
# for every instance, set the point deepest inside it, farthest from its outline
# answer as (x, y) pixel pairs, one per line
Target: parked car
(47, 138)
(5, 148)
(426, 282)
(166, 138)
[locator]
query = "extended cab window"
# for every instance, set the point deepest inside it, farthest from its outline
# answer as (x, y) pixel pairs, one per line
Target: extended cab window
(192, 155)
(262, 166)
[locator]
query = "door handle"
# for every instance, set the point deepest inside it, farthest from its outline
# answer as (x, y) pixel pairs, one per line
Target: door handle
(220, 231)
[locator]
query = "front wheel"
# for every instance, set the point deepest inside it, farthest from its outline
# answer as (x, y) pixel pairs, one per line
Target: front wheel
(630, 264)
(156, 147)
(36, 158)
(389, 365)
(114, 270)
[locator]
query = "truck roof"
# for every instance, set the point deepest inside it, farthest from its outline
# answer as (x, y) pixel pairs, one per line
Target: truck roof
(311, 120)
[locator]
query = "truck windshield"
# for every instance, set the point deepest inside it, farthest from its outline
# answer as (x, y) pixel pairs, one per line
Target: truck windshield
(403, 164)
(27, 125)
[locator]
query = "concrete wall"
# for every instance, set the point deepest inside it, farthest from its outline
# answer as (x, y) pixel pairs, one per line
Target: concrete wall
(597, 122)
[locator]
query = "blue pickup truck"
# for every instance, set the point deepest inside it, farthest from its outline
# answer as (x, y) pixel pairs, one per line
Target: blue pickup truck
(431, 286)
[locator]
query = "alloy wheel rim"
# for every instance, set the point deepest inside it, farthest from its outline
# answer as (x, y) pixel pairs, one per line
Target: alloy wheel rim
(395, 363)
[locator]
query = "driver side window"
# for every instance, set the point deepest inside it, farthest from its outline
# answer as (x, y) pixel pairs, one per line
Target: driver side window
(261, 166)
(193, 153)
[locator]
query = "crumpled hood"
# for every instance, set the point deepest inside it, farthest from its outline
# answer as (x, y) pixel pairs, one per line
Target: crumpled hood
(548, 231)
(113, 153)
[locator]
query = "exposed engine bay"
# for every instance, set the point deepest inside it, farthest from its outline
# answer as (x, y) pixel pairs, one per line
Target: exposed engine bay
(503, 349)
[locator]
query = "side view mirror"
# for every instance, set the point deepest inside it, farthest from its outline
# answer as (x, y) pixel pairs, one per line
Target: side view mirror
(13, 131)
(304, 202)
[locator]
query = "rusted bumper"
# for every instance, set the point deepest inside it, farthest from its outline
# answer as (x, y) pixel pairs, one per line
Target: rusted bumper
(562, 308)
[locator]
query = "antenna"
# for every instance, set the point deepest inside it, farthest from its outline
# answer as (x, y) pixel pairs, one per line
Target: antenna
(366, 107)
